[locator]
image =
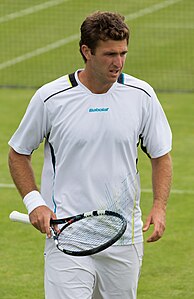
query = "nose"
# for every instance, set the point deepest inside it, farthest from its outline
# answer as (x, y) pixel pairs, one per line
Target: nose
(118, 61)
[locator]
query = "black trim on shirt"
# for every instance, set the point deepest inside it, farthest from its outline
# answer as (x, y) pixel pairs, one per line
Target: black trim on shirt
(53, 157)
(73, 82)
(138, 88)
(121, 78)
(121, 81)
(52, 95)
(144, 149)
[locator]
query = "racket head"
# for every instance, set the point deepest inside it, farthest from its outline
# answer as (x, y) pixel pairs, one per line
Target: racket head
(89, 233)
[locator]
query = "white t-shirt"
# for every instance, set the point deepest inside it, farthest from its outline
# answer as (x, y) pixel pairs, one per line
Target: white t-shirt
(91, 145)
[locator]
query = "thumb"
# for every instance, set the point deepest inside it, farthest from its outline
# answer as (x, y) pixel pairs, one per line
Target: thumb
(146, 225)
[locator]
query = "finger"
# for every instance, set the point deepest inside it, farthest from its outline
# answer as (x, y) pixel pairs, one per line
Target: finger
(43, 224)
(48, 231)
(153, 238)
(146, 225)
(55, 226)
(156, 235)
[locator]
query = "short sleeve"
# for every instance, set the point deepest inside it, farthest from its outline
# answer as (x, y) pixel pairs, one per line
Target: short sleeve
(33, 127)
(156, 135)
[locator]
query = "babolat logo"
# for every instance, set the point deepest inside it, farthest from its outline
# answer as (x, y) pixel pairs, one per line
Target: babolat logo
(98, 109)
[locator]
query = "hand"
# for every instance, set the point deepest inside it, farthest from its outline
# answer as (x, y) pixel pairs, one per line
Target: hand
(157, 217)
(40, 219)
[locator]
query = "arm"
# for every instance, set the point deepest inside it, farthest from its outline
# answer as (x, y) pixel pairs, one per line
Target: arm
(23, 177)
(161, 182)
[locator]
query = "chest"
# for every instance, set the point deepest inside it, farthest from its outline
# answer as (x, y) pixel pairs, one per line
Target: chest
(81, 119)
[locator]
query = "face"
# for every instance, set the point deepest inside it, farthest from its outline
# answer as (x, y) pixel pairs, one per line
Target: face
(106, 64)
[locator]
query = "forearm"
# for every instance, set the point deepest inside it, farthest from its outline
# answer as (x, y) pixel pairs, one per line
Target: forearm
(23, 177)
(22, 172)
(161, 180)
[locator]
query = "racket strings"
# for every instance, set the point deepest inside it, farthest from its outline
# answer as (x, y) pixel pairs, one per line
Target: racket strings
(89, 233)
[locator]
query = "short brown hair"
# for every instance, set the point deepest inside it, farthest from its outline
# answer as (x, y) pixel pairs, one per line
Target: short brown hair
(102, 26)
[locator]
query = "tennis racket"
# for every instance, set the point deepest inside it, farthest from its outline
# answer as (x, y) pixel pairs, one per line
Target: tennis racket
(86, 233)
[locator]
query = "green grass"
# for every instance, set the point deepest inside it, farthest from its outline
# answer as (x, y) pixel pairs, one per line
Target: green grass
(160, 44)
(161, 53)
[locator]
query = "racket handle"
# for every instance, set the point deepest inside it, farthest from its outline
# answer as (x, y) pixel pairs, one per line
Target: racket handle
(19, 217)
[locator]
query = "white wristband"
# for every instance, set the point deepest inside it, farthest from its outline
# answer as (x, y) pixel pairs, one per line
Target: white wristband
(32, 200)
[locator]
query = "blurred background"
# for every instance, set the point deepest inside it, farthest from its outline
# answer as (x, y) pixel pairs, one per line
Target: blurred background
(39, 40)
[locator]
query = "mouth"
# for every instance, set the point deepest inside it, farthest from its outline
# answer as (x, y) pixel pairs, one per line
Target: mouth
(115, 72)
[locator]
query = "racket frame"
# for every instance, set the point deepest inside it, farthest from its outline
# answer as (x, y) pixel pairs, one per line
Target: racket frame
(68, 221)
(24, 218)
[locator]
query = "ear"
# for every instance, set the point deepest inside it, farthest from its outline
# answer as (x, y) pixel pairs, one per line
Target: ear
(86, 52)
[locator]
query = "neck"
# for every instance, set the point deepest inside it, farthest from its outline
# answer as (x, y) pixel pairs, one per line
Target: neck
(90, 81)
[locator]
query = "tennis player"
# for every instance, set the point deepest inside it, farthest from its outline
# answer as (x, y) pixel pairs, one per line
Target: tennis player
(92, 122)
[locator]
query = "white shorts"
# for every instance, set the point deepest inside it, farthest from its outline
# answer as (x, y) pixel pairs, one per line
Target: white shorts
(110, 274)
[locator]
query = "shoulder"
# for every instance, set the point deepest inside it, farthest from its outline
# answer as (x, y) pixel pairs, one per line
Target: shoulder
(56, 87)
(135, 83)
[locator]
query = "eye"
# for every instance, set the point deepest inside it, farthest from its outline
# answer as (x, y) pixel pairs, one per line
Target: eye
(110, 54)
(123, 54)
(114, 54)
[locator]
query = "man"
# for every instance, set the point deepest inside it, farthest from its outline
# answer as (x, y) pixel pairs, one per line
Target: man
(92, 122)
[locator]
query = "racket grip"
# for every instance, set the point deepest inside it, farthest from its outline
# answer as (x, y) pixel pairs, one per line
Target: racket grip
(19, 217)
